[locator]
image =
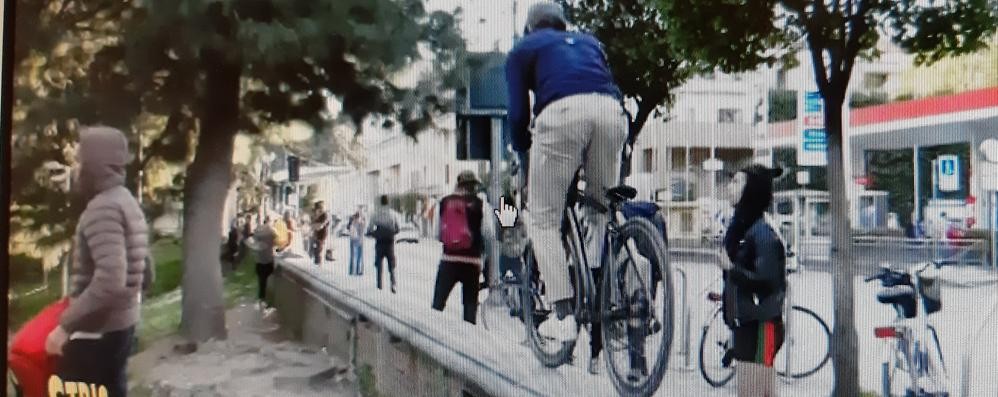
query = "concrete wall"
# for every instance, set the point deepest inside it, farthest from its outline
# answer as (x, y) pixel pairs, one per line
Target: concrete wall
(386, 365)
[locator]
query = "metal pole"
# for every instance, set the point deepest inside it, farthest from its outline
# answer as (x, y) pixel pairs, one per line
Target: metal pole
(916, 187)
(993, 217)
(494, 193)
(686, 182)
(713, 158)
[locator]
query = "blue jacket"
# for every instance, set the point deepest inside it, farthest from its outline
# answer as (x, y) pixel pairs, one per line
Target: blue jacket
(553, 64)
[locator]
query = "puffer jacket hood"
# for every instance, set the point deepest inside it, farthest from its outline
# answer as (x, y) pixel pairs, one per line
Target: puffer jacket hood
(103, 156)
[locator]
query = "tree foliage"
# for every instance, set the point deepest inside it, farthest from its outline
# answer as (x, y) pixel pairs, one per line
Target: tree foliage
(644, 63)
(188, 75)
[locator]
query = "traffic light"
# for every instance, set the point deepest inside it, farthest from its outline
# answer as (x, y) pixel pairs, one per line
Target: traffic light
(293, 168)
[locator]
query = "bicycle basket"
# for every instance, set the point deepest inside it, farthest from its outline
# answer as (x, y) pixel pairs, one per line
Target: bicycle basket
(930, 290)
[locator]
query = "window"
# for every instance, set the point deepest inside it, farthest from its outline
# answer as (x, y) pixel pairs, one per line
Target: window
(728, 116)
(648, 155)
(678, 158)
(781, 79)
(447, 174)
(785, 207)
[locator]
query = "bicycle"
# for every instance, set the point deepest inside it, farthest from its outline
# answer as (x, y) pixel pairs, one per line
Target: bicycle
(626, 303)
(913, 296)
(800, 324)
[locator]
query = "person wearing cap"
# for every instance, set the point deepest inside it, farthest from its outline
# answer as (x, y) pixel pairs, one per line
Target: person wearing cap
(463, 263)
(579, 121)
(95, 331)
(754, 265)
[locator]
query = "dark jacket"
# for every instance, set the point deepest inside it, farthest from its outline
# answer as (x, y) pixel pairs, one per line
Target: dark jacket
(553, 64)
(755, 288)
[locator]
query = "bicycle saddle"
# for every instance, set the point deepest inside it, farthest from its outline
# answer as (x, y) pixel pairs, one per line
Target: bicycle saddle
(900, 295)
(621, 193)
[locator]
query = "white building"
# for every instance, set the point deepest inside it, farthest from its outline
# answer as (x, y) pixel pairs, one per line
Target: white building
(397, 164)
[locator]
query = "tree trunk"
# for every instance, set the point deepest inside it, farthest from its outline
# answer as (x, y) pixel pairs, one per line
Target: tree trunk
(205, 191)
(845, 348)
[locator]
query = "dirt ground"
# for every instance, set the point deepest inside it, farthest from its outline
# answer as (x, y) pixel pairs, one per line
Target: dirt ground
(257, 359)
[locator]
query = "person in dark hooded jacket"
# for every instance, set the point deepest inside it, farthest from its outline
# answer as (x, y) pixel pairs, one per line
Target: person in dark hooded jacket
(755, 281)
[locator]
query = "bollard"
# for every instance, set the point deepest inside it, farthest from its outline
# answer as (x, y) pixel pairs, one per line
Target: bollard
(685, 319)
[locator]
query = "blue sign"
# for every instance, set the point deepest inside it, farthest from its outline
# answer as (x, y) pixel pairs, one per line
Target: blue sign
(815, 146)
(812, 102)
(814, 134)
(947, 167)
(948, 171)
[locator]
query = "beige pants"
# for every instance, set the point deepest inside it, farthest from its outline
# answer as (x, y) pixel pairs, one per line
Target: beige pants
(755, 380)
(585, 131)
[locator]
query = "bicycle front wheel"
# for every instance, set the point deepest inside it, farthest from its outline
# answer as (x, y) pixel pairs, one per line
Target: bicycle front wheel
(806, 345)
(636, 314)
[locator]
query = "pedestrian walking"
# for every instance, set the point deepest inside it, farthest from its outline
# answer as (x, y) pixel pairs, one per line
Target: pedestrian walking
(384, 226)
(95, 332)
(231, 253)
(754, 267)
(320, 229)
(356, 228)
(465, 231)
(264, 239)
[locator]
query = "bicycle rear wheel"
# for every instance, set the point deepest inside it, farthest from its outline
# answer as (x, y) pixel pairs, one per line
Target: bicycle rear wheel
(715, 343)
(636, 316)
(807, 344)
(535, 310)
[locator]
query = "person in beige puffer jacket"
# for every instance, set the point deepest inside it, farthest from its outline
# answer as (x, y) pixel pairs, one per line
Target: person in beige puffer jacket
(96, 331)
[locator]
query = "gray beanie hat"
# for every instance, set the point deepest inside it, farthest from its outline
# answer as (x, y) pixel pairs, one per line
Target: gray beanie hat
(546, 12)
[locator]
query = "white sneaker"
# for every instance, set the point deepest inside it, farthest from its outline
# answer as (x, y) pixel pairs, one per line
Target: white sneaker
(560, 330)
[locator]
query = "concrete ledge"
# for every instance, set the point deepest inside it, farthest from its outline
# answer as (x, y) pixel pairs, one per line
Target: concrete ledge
(397, 350)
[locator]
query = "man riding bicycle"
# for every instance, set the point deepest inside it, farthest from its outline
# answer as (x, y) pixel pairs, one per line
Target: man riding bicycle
(578, 122)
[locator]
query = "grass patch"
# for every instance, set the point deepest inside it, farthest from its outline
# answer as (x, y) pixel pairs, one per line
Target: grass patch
(169, 259)
(366, 381)
(161, 314)
(162, 306)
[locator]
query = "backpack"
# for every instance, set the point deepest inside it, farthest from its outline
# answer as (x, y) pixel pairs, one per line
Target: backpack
(455, 225)
(283, 236)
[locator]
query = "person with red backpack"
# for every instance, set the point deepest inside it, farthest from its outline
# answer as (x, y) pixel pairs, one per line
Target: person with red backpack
(464, 232)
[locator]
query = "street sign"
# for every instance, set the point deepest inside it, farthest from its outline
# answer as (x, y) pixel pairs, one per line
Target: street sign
(948, 169)
(293, 169)
(812, 139)
(713, 165)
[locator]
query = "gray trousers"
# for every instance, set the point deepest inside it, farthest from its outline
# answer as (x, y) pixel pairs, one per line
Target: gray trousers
(585, 131)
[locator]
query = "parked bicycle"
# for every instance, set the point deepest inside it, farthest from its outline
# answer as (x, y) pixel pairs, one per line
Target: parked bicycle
(806, 348)
(911, 339)
(636, 315)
